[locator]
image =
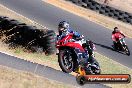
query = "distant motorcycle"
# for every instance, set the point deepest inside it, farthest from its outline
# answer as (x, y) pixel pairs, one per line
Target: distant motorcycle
(70, 52)
(122, 46)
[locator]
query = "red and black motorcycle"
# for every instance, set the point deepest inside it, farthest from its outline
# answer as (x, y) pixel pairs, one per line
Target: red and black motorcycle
(70, 52)
(120, 44)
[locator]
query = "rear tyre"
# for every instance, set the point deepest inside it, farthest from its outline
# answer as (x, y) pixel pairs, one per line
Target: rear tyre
(77, 2)
(95, 68)
(50, 43)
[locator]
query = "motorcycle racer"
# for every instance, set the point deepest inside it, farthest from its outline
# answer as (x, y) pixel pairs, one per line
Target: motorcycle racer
(116, 35)
(64, 30)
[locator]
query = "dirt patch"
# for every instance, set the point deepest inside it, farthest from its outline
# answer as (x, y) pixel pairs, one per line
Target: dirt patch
(105, 21)
(11, 78)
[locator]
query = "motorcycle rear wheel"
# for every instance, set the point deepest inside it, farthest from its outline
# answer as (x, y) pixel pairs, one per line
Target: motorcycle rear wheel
(95, 70)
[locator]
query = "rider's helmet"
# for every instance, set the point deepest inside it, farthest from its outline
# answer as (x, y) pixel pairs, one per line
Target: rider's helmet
(116, 29)
(63, 25)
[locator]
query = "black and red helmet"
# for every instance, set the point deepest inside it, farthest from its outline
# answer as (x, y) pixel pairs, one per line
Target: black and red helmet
(63, 24)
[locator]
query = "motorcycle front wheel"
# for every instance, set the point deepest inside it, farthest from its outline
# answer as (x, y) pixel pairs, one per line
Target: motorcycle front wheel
(66, 61)
(127, 51)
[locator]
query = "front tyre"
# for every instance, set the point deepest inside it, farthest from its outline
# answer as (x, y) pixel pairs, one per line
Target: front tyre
(65, 60)
(127, 51)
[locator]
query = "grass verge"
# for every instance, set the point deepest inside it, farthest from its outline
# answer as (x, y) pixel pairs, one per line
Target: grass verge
(11, 78)
(108, 66)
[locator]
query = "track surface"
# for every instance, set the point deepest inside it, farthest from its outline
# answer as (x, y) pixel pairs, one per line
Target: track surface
(42, 70)
(50, 16)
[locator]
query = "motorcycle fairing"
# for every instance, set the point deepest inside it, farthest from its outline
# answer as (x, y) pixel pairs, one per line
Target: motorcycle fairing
(81, 56)
(66, 41)
(75, 45)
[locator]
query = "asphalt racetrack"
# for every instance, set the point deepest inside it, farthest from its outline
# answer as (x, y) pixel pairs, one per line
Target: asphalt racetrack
(50, 16)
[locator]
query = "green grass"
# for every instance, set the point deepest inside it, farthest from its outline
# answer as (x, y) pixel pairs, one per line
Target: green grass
(111, 67)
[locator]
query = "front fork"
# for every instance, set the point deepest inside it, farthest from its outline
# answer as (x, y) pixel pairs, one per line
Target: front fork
(123, 43)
